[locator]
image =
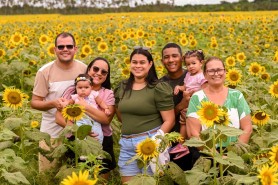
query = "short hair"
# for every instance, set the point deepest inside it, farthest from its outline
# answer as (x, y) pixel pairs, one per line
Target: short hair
(64, 35)
(171, 45)
(211, 59)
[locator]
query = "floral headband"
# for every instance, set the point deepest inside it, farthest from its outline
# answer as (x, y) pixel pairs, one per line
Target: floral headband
(82, 78)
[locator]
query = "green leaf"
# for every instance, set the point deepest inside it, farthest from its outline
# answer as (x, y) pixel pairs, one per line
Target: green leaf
(235, 160)
(58, 151)
(14, 178)
(36, 135)
(195, 176)
(90, 146)
(142, 180)
(244, 179)
(13, 123)
(176, 173)
(195, 142)
(83, 131)
(229, 131)
(6, 135)
(5, 144)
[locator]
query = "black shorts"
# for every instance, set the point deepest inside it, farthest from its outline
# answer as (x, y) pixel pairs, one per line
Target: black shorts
(107, 145)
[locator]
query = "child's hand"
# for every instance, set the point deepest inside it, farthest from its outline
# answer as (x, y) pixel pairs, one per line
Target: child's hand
(176, 90)
(107, 111)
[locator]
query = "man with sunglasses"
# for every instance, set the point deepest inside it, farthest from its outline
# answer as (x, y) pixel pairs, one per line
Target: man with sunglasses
(172, 61)
(51, 81)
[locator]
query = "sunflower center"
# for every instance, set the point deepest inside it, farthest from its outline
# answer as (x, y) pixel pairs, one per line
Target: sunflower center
(234, 77)
(267, 179)
(74, 111)
(87, 50)
(43, 39)
(210, 113)
(16, 38)
(275, 89)
(260, 116)
(81, 183)
(147, 148)
(14, 98)
(255, 69)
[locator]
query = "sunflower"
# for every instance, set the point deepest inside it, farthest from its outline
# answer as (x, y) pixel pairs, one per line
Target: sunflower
(140, 33)
(233, 77)
(123, 47)
(213, 45)
(275, 58)
(50, 50)
(127, 60)
(268, 175)
(209, 113)
(147, 149)
(255, 68)
(224, 119)
(274, 156)
(87, 50)
(265, 76)
(43, 39)
(81, 179)
(230, 61)
(13, 98)
(240, 57)
(25, 40)
(73, 112)
(183, 41)
(34, 124)
(125, 72)
(16, 38)
(273, 90)
(260, 118)
(193, 43)
(124, 36)
(2, 53)
(102, 46)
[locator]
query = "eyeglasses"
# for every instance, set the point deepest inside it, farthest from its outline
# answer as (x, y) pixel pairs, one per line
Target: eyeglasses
(212, 72)
(102, 71)
(142, 47)
(62, 47)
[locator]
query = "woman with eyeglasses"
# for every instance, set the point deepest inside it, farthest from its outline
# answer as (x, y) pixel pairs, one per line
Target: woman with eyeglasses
(145, 108)
(99, 71)
(218, 93)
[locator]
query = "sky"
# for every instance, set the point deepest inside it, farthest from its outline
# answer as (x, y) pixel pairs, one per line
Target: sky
(193, 2)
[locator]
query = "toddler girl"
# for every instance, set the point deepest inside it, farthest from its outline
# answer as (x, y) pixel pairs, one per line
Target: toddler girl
(83, 86)
(193, 81)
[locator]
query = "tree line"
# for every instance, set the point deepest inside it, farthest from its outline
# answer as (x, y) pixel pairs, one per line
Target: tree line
(11, 7)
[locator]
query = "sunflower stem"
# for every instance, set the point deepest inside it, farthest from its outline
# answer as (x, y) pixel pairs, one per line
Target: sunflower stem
(75, 148)
(213, 155)
(221, 154)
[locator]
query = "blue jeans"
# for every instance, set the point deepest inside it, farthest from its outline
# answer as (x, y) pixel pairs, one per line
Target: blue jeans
(128, 150)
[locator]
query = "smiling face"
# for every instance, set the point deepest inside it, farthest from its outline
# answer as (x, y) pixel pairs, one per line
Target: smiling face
(172, 60)
(65, 54)
(193, 65)
(140, 66)
(215, 72)
(98, 72)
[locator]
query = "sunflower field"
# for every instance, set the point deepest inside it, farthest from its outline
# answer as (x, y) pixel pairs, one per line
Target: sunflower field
(246, 41)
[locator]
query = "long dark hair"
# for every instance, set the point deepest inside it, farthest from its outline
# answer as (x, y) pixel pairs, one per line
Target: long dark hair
(106, 84)
(151, 78)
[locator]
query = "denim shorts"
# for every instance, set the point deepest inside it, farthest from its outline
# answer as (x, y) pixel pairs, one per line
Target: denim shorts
(127, 151)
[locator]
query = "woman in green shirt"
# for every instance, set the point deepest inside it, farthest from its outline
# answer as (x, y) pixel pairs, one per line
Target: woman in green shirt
(218, 93)
(144, 106)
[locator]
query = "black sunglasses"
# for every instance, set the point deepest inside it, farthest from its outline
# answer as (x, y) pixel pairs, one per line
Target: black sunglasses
(102, 71)
(61, 47)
